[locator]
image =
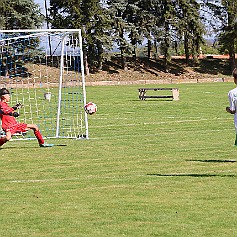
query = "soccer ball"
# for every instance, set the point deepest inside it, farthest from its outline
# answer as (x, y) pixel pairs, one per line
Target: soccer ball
(90, 108)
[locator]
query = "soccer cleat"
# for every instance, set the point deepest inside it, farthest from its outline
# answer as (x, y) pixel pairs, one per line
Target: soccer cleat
(46, 145)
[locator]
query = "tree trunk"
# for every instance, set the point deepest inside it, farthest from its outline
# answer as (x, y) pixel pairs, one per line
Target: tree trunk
(186, 49)
(100, 56)
(166, 48)
(232, 58)
(149, 49)
(87, 71)
(122, 49)
(134, 56)
(123, 59)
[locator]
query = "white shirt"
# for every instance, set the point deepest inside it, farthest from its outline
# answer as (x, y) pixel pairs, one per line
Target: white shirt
(232, 95)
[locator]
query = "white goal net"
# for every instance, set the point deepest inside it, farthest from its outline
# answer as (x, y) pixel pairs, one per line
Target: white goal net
(43, 69)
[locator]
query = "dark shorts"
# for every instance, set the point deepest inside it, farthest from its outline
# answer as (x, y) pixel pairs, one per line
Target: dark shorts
(17, 128)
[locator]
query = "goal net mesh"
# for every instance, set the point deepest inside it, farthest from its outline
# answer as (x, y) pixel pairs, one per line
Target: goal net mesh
(44, 71)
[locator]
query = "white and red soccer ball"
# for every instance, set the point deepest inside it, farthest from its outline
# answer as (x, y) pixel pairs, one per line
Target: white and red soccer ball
(90, 108)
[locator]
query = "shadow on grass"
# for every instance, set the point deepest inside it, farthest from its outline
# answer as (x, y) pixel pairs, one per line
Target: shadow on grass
(27, 147)
(214, 161)
(14, 147)
(193, 175)
(157, 100)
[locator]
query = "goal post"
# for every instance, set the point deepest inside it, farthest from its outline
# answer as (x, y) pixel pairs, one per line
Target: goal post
(44, 71)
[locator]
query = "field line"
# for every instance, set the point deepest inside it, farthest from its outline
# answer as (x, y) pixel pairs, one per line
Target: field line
(68, 179)
(163, 122)
(42, 180)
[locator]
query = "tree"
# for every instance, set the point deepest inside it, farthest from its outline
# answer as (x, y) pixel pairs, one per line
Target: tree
(166, 21)
(132, 16)
(97, 31)
(92, 19)
(168, 24)
(23, 14)
(228, 37)
(225, 13)
(189, 27)
(65, 14)
(118, 10)
(150, 22)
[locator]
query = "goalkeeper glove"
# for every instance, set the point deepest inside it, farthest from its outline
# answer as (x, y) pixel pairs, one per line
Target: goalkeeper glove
(14, 114)
(17, 106)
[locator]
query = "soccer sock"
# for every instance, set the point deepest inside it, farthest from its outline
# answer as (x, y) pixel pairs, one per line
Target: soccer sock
(39, 137)
(2, 141)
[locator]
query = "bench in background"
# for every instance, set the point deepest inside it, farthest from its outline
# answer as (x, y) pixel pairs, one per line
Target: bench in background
(143, 95)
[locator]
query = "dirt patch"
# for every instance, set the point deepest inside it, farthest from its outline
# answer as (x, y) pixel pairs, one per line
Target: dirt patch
(152, 72)
(141, 71)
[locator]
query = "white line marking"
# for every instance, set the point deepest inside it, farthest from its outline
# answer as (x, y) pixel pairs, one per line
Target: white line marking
(42, 180)
(164, 122)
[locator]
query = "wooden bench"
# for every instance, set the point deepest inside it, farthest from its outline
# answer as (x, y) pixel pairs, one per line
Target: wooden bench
(143, 96)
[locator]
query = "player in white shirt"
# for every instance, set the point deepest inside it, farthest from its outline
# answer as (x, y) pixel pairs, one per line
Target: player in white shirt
(232, 109)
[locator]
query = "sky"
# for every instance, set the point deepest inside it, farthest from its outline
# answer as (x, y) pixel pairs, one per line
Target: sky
(41, 3)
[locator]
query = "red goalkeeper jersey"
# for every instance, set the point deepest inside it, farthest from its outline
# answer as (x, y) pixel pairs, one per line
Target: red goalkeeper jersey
(7, 120)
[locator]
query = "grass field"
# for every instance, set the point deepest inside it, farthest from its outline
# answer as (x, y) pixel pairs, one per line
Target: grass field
(150, 168)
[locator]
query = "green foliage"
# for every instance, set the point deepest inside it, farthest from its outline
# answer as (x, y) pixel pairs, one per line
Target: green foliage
(150, 168)
(65, 14)
(92, 18)
(128, 23)
(225, 11)
(24, 14)
(122, 13)
(170, 25)
(209, 49)
(15, 53)
(228, 38)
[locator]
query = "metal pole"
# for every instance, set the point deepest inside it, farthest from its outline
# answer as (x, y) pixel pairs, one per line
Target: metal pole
(40, 30)
(83, 82)
(60, 85)
(47, 23)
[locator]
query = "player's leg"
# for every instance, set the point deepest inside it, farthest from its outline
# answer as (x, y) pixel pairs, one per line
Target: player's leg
(235, 122)
(6, 138)
(36, 132)
(38, 135)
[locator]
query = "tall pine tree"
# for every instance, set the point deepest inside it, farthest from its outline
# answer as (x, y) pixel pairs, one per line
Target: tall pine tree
(118, 10)
(225, 15)
(92, 19)
(24, 14)
(190, 27)
(228, 37)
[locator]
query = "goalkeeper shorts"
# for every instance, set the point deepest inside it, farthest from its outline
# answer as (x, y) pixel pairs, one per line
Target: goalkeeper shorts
(17, 128)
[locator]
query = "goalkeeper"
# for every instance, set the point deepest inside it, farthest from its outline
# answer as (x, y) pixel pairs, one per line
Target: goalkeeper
(9, 123)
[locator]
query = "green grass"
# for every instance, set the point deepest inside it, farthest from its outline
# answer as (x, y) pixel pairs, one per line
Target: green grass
(150, 168)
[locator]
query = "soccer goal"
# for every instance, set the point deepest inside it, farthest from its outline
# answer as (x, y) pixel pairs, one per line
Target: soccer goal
(44, 71)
